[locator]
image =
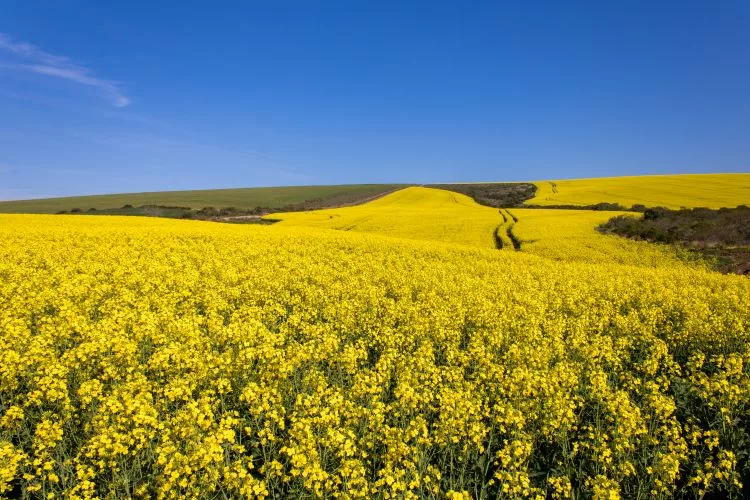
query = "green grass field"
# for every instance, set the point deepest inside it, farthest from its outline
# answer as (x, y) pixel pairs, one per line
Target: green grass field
(244, 198)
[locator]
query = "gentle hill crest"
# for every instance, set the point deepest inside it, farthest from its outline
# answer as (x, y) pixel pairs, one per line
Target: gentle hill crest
(267, 198)
(670, 191)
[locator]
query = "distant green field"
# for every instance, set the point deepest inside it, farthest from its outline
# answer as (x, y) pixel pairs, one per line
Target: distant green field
(295, 197)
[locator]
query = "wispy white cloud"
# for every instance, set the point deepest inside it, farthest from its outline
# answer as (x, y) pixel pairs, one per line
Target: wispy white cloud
(43, 63)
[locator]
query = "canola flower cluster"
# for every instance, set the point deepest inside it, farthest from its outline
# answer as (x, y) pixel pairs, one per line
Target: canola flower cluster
(157, 358)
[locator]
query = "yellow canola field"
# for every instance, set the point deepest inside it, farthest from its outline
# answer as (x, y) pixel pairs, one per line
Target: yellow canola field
(570, 235)
(448, 217)
(671, 191)
(415, 213)
(159, 358)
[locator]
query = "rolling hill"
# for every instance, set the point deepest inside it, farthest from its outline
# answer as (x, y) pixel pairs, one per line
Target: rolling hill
(671, 191)
(277, 198)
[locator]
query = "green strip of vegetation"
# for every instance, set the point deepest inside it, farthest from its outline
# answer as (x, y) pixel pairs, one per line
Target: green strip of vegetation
(722, 236)
(175, 203)
(494, 194)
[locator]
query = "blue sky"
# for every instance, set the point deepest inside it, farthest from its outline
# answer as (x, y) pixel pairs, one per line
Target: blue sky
(99, 97)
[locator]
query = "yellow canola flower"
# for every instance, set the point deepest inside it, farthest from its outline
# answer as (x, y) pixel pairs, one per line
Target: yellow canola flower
(10, 460)
(174, 359)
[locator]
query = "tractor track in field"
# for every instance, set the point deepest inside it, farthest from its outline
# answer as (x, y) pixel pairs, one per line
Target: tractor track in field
(504, 236)
(498, 240)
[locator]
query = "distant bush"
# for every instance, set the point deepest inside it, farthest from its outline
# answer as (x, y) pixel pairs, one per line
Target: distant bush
(607, 206)
(599, 207)
(494, 194)
(696, 226)
(655, 213)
